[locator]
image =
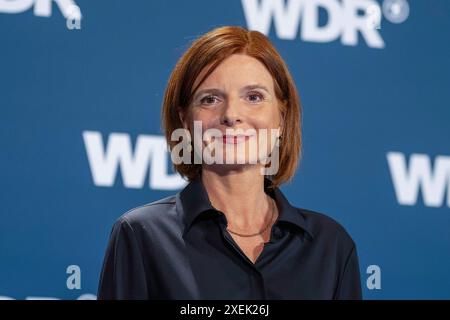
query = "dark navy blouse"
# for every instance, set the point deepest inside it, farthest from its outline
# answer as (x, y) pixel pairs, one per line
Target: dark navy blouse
(179, 248)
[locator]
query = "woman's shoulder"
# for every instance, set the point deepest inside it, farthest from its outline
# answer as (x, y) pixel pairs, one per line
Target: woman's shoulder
(153, 212)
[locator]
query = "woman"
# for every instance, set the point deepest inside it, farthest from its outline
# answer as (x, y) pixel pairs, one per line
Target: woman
(230, 233)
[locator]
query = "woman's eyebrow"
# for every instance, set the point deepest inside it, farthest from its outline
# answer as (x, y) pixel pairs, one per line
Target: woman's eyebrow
(209, 90)
(223, 93)
(255, 86)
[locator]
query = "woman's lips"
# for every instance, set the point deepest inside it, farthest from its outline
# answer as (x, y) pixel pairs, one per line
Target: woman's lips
(230, 139)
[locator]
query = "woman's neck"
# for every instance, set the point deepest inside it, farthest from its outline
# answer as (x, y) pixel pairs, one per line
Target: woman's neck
(239, 195)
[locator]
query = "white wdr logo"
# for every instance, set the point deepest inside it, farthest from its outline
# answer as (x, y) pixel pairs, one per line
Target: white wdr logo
(419, 175)
(345, 19)
(150, 152)
(42, 8)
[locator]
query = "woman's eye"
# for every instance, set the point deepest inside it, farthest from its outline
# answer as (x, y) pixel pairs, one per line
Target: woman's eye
(208, 100)
(255, 97)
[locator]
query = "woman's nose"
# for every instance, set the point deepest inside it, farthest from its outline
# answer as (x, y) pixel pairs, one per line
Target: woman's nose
(230, 115)
(229, 121)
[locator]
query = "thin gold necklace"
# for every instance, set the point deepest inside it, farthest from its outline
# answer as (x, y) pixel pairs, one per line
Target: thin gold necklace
(259, 232)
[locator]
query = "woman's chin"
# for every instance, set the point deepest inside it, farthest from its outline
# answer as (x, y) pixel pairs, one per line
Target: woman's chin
(227, 168)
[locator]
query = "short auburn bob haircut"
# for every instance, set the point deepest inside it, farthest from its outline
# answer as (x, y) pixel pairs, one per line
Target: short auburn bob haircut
(209, 50)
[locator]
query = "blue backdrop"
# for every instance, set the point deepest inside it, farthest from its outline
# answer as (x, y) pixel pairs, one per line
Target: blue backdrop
(81, 139)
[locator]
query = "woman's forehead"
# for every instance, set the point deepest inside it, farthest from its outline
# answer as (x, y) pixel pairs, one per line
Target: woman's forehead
(237, 71)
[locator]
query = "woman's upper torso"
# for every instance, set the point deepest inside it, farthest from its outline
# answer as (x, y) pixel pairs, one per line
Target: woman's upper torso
(179, 248)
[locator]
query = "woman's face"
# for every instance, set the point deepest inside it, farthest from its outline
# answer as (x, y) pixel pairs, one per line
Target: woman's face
(237, 100)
